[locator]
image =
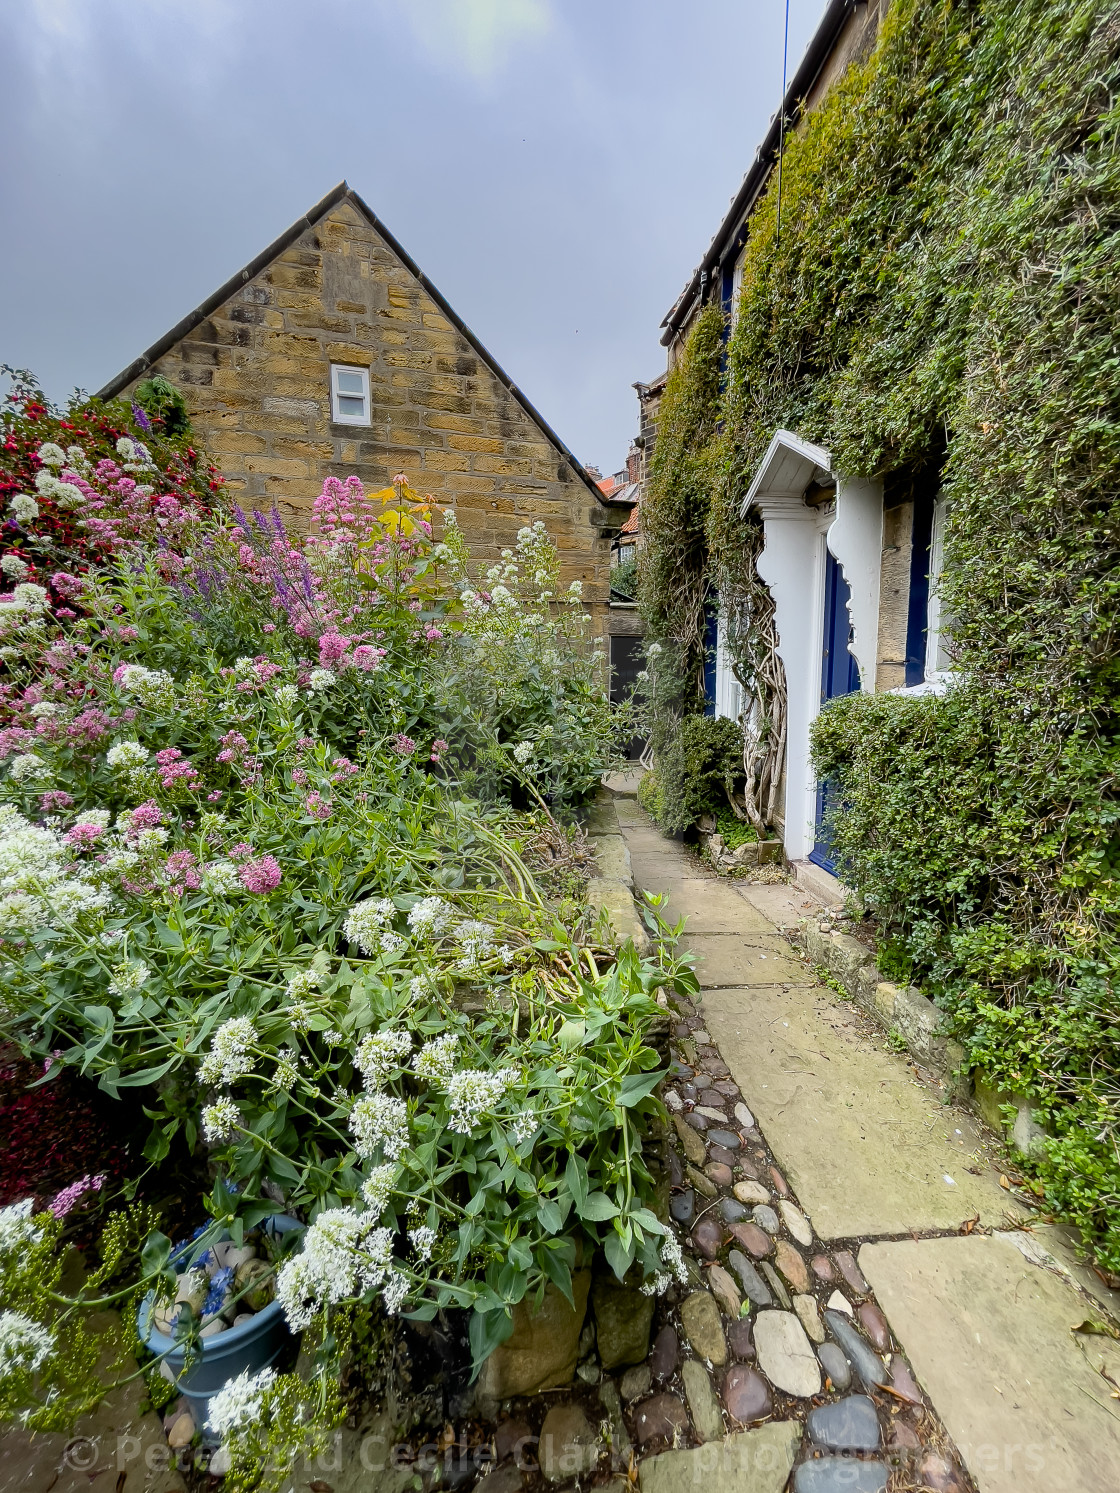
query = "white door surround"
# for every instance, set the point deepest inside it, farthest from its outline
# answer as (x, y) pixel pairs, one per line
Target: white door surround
(792, 564)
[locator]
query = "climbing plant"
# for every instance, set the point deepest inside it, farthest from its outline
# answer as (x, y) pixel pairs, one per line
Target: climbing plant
(944, 287)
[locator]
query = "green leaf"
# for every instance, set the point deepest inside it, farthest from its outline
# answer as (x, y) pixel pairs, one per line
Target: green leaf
(620, 1256)
(596, 1208)
(636, 1086)
(552, 1220)
(487, 1331)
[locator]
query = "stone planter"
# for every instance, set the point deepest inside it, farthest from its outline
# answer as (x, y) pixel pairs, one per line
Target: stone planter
(748, 857)
(253, 1346)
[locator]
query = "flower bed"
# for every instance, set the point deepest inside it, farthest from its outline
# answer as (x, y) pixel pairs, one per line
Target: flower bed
(267, 814)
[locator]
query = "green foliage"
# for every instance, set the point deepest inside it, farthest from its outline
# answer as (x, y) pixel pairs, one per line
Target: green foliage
(162, 402)
(696, 773)
(734, 831)
(673, 581)
(624, 578)
(944, 290)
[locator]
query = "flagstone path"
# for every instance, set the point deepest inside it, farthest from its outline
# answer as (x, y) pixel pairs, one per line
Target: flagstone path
(886, 1250)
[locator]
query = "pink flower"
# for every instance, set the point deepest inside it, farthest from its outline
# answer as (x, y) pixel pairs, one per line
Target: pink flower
(439, 747)
(268, 627)
(69, 1196)
(432, 633)
(342, 768)
(316, 807)
(82, 836)
(261, 876)
(332, 647)
(146, 815)
(240, 851)
(299, 777)
(368, 659)
(212, 798)
(50, 802)
(404, 744)
(127, 634)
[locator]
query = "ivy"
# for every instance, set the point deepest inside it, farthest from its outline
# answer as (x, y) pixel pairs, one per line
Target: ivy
(944, 290)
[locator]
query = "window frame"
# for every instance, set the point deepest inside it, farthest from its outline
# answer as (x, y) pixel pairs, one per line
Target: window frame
(338, 417)
(938, 665)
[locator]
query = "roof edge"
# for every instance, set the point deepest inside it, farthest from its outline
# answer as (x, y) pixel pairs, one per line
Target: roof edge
(808, 71)
(212, 302)
(343, 192)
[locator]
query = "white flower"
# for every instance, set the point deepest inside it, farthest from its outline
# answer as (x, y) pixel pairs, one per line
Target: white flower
(31, 598)
(150, 839)
(13, 567)
(430, 917)
(344, 1253)
(229, 1057)
(28, 765)
(126, 756)
(379, 1119)
(576, 588)
(287, 694)
(423, 1238)
(392, 943)
(220, 1120)
(675, 1268)
(394, 1292)
(472, 1092)
(51, 455)
(436, 1059)
(287, 1069)
(152, 687)
(378, 1185)
(126, 449)
(381, 1053)
(654, 650)
(523, 751)
(23, 508)
(45, 709)
(219, 878)
(366, 920)
(128, 977)
(17, 1230)
(476, 943)
(321, 679)
(524, 1125)
(303, 982)
(239, 1402)
(24, 1345)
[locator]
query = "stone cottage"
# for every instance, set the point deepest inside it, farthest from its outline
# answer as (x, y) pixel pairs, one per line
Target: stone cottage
(332, 353)
(852, 562)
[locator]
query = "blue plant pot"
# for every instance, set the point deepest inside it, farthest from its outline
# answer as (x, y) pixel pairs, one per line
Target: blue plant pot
(253, 1346)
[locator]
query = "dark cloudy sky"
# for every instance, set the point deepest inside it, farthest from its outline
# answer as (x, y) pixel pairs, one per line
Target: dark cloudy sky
(556, 167)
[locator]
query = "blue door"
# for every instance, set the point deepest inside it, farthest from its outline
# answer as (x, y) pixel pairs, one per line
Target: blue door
(839, 676)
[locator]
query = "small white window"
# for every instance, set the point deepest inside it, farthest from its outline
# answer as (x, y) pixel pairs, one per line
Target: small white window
(349, 395)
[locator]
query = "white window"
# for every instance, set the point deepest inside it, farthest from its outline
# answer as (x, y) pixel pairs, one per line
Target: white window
(349, 395)
(938, 622)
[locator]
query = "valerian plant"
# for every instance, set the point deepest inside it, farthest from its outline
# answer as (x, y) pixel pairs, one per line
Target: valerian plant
(257, 890)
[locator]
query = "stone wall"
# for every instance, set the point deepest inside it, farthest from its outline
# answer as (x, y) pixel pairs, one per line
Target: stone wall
(255, 374)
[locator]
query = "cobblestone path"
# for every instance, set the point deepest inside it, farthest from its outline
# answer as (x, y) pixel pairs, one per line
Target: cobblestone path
(870, 1307)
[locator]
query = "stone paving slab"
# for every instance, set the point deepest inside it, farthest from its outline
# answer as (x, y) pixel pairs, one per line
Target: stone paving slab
(756, 959)
(757, 1461)
(989, 1337)
(712, 908)
(866, 1147)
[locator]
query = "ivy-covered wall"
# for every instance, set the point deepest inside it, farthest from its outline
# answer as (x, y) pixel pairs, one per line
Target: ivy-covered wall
(946, 285)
